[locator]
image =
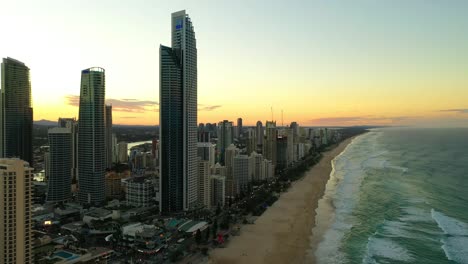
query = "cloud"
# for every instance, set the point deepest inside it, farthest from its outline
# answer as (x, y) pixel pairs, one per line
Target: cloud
(336, 119)
(120, 105)
(73, 100)
(360, 120)
(209, 107)
(128, 117)
(133, 105)
(458, 111)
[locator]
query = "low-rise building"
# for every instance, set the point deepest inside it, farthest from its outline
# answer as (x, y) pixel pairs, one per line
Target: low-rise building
(97, 214)
(113, 181)
(218, 190)
(140, 191)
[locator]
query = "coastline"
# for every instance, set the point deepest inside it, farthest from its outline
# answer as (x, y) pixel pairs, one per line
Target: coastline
(282, 234)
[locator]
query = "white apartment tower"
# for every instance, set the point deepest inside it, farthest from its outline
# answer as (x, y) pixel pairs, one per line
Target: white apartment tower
(204, 182)
(16, 212)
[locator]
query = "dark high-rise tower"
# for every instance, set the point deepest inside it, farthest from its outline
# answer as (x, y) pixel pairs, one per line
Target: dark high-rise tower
(225, 138)
(72, 124)
(91, 145)
(259, 135)
(60, 164)
(16, 113)
(239, 127)
(178, 117)
(108, 138)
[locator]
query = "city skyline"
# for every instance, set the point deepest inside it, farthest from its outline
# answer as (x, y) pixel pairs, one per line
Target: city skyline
(359, 63)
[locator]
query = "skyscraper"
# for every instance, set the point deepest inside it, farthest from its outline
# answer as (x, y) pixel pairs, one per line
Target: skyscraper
(282, 152)
(239, 127)
(108, 137)
(204, 183)
(225, 138)
(206, 151)
(91, 134)
(16, 238)
(60, 164)
(240, 173)
(16, 113)
(259, 134)
(178, 117)
(231, 186)
(269, 145)
(72, 124)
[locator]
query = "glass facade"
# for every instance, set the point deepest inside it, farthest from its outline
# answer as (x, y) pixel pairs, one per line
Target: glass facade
(178, 118)
(60, 164)
(16, 113)
(91, 145)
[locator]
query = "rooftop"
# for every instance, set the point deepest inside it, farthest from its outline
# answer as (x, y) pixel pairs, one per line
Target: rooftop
(98, 212)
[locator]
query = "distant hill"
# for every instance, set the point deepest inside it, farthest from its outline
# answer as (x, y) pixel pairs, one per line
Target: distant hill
(44, 122)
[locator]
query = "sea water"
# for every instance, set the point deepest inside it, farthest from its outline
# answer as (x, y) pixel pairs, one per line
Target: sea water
(399, 195)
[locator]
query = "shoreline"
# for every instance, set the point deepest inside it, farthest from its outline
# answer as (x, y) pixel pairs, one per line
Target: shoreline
(283, 233)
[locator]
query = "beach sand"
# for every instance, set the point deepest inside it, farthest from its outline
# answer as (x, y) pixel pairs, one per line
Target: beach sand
(282, 234)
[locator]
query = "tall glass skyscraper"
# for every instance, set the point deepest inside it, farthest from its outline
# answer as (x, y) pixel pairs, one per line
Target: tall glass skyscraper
(178, 118)
(16, 113)
(225, 138)
(60, 164)
(91, 142)
(108, 136)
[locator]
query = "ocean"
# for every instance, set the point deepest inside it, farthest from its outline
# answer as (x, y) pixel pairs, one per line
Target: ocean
(399, 195)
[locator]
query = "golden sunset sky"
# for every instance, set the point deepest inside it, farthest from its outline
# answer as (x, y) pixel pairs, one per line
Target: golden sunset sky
(321, 62)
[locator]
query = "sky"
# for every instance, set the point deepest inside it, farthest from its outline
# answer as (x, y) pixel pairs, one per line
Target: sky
(320, 63)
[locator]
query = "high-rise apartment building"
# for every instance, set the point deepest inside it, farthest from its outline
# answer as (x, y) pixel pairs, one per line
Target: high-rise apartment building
(259, 134)
(178, 117)
(225, 138)
(72, 124)
(16, 238)
(122, 152)
(16, 113)
(256, 161)
(204, 182)
(282, 152)
(108, 135)
(231, 184)
(241, 172)
(60, 165)
(268, 170)
(218, 190)
(269, 146)
(91, 137)
(239, 128)
(206, 151)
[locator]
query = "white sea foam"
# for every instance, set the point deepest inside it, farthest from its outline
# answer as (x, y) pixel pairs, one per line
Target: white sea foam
(449, 225)
(347, 174)
(415, 214)
(455, 244)
(398, 168)
(385, 248)
(456, 249)
(397, 229)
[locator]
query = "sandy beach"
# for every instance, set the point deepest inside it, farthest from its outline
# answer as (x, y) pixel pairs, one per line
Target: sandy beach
(282, 234)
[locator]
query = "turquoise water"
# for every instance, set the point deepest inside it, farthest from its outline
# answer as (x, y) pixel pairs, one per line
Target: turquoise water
(65, 255)
(399, 196)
